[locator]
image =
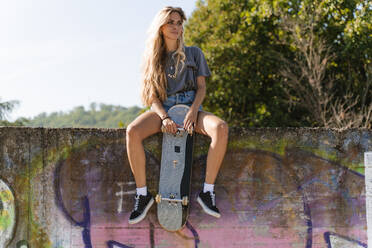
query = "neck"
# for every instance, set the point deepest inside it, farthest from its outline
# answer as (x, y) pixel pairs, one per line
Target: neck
(170, 45)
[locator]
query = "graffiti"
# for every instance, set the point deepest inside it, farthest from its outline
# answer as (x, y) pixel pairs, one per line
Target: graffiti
(121, 193)
(22, 244)
(334, 241)
(79, 192)
(7, 214)
(97, 195)
(114, 244)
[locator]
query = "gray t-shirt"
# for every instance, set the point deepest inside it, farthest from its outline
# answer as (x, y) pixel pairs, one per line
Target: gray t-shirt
(195, 65)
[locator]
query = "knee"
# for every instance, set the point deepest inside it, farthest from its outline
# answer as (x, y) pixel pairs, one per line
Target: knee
(221, 130)
(132, 132)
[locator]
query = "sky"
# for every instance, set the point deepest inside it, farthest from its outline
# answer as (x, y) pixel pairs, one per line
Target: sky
(59, 54)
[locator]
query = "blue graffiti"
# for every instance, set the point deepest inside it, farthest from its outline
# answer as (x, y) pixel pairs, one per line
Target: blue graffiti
(114, 244)
(194, 232)
(327, 238)
(86, 224)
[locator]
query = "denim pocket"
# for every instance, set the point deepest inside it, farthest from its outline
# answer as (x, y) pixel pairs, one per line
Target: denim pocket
(171, 100)
(189, 96)
(186, 97)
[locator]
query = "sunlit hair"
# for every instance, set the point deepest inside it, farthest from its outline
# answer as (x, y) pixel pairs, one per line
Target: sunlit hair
(154, 81)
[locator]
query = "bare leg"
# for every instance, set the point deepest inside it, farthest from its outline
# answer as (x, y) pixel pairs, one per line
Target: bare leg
(217, 130)
(142, 127)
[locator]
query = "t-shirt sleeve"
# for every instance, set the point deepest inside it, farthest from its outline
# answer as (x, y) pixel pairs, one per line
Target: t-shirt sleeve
(201, 63)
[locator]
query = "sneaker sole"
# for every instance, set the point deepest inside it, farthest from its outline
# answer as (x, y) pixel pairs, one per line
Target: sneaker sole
(207, 210)
(143, 215)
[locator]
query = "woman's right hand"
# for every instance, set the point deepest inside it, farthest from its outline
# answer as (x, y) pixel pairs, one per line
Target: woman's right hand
(169, 125)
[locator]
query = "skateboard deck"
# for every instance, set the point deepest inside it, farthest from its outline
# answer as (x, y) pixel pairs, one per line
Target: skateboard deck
(175, 173)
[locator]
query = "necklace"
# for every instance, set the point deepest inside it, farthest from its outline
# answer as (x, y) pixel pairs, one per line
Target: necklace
(171, 67)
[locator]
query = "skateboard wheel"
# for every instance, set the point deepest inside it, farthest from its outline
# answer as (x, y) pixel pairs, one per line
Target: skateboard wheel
(185, 200)
(158, 198)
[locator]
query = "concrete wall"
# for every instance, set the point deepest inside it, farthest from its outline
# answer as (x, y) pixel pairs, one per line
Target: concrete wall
(277, 188)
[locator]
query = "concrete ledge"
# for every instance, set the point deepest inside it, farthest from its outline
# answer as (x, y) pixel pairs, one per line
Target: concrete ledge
(278, 187)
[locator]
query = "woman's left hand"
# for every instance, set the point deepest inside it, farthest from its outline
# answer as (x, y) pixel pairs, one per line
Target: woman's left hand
(190, 119)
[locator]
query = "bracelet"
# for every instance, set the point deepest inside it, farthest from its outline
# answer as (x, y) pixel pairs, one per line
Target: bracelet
(165, 118)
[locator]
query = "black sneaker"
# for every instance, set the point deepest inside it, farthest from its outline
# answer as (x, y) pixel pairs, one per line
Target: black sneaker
(141, 207)
(207, 201)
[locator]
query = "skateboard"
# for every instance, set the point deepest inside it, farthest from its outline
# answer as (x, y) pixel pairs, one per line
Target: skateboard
(175, 173)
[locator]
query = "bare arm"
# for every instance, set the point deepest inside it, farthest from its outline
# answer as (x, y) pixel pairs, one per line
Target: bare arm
(200, 93)
(192, 115)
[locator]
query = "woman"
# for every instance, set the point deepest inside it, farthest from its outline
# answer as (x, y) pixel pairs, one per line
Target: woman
(168, 79)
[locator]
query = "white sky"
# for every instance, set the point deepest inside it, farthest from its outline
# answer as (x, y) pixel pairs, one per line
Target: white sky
(59, 54)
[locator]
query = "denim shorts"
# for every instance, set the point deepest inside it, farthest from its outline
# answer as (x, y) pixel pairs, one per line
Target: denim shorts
(186, 97)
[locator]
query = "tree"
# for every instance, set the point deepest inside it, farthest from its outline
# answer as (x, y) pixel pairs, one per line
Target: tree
(106, 116)
(306, 81)
(242, 39)
(6, 107)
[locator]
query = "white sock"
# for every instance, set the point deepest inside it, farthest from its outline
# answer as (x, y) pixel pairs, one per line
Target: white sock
(142, 191)
(208, 187)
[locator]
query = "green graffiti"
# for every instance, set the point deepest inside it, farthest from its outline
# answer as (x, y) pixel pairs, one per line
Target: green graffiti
(279, 146)
(7, 215)
(6, 196)
(5, 220)
(255, 143)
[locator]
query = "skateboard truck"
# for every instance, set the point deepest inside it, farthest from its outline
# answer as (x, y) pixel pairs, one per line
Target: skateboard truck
(184, 200)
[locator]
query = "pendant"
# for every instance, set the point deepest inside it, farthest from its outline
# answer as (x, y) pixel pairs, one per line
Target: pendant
(171, 76)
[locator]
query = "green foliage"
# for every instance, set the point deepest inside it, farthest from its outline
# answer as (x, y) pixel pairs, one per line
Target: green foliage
(241, 40)
(18, 123)
(107, 116)
(5, 109)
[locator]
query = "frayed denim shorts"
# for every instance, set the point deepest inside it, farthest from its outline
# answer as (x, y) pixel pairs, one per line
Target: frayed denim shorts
(186, 97)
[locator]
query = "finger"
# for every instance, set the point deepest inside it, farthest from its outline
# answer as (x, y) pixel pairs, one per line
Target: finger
(175, 126)
(169, 128)
(189, 128)
(187, 124)
(172, 127)
(193, 126)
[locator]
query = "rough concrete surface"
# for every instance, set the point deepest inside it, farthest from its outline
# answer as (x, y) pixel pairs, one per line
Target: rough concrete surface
(278, 187)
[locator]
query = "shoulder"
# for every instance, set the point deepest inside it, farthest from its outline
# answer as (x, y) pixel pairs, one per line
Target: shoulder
(194, 50)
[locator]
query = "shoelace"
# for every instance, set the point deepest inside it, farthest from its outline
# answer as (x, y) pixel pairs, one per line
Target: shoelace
(136, 203)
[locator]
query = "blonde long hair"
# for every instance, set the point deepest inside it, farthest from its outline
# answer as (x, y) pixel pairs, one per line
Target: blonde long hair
(154, 81)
